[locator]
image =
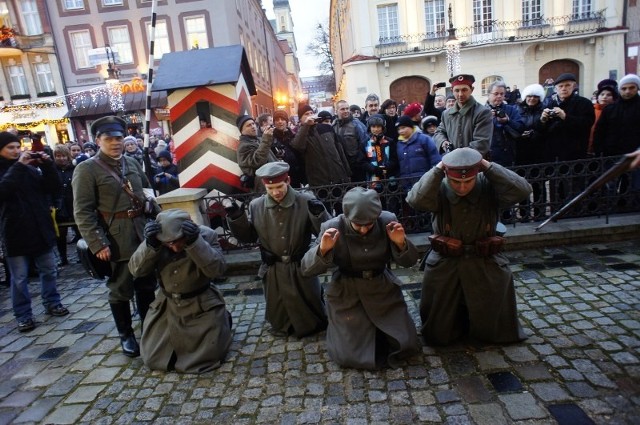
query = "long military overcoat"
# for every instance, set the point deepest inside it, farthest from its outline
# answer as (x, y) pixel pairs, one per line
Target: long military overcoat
(366, 316)
(285, 229)
(469, 291)
(469, 126)
(197, 329)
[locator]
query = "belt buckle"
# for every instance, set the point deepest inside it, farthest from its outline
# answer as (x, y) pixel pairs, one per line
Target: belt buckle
(285, 258)
(367, 274)
(176, 297)
(131, 213)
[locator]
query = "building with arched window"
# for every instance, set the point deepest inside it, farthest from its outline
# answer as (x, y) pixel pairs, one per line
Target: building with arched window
(400, 48)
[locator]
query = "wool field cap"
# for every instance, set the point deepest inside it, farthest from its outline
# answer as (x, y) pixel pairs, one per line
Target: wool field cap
(462, 163)
(567, 76)
(466, 79)
(241, 120)
(361, 206)
(273, 172)
(110, 126)
(170, 222)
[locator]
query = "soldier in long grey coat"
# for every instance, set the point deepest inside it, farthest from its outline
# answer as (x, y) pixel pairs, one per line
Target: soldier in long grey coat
(468, 286)
(188, 328)
(283, 221)
(369, 324)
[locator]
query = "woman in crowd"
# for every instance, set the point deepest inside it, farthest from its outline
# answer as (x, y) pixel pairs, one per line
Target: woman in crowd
(606, 94)
(64, 203)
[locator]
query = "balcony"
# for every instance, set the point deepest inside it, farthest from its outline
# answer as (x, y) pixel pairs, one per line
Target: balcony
(496, 32)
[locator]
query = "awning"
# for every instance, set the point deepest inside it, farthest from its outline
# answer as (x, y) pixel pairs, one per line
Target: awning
(98, 103)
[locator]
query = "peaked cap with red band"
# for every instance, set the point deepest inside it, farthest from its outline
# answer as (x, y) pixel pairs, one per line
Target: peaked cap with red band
(273, 172)
(466, 79)
(462, 163)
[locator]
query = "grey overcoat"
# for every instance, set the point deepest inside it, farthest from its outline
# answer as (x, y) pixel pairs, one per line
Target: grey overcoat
(369, 324)
(483, 286)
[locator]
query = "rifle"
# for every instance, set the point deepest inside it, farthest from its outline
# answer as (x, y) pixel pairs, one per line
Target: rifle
(619, 168)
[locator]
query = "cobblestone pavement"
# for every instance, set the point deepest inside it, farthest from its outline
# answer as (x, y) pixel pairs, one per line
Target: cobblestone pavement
(581, 364)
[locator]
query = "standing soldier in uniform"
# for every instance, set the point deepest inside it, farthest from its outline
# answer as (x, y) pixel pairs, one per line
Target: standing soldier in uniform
(467, 286)
(112, 222)
(283, 221)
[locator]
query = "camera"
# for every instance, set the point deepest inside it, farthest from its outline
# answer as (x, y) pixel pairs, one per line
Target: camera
(35, 155)
(552, 114)
(440, 85)
(499, 112)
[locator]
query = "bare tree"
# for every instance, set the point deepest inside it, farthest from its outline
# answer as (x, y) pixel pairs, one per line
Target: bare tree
(320, 48)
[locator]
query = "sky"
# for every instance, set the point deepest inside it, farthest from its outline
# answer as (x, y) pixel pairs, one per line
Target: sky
(306, 15)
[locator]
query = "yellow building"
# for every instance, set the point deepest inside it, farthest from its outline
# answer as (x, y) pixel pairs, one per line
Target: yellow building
(398, 49)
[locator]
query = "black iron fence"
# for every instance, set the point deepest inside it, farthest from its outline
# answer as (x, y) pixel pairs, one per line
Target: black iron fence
(494, 32)
(554, 184)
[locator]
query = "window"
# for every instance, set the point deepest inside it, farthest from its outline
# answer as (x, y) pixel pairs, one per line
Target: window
(73, 4)
(388, 23)
(196, 31)
(434, 16)
(486, 82)
(531, 13)
(44, 77)
(17, 80)
(482, 16)
(120, 42)
(581, 9)
(112, 2)
(81, 44)
(31, 17)
(161, 44)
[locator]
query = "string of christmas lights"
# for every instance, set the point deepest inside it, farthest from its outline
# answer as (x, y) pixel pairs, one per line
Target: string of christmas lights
(453, 58)
(28, 125)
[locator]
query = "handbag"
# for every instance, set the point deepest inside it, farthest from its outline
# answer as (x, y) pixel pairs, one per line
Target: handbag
(96, 268)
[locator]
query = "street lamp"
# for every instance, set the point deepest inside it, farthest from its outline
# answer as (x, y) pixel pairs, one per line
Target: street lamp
(452, 47)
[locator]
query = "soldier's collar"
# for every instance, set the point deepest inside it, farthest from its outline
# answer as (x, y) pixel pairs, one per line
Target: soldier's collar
(287, 202)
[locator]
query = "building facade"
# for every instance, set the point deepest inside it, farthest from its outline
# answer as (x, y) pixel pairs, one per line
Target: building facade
(31, 86)
(399, 49)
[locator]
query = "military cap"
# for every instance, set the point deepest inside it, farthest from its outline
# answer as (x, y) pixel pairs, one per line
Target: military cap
(241, 120)
(462, 163)
(361, 206)
(466, 79)
(273, 172)
(567, 76)
(170, 222)
(111, 126)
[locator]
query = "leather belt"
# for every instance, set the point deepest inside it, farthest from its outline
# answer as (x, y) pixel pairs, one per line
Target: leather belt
(364, 274)
(184, 296)
(132, 213)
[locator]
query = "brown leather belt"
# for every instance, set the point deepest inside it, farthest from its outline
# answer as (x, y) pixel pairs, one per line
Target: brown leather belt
(364, 274)
(178, 297)
(133, 213)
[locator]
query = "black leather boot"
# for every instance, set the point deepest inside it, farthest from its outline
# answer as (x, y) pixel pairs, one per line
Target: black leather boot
(122, 316)
(143, 300)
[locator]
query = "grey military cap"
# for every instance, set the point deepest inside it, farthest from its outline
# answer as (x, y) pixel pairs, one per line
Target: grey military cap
(361, 206)
(171, 223)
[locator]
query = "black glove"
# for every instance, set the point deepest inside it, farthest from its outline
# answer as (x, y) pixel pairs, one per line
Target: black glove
(315, 207)
(151, 230)
(191, 231)
(233, 211)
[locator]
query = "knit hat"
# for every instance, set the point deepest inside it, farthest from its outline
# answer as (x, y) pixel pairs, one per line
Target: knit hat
(405, 121)
(355, 108)
(304, 109)
(241, 120)
(608, 83)
(6, 138)
(412, 110)
(534, 90)
(164, 154)
(89, 145)
(130, 139)
(279, 113)
(630, 78)
(325, 115)
(428, 120)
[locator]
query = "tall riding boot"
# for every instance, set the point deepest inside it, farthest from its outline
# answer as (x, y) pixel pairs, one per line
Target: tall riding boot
(122, 316)
(143, 299)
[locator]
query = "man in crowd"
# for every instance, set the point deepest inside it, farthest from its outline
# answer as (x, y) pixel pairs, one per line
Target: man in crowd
(467, 286)
(264, 122)
(253, 151)
(508, 125)
(282, 138)
(354, 136)
(188, 328)
(28, 180)
(371, 107)
(434, 103)
(107, 203)
(467, 123)
(283, 221)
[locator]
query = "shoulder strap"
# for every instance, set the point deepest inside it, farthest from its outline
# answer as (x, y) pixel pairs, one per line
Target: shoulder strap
(120, 179)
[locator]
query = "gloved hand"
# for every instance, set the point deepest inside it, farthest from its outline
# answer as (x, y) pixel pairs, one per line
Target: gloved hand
(151, 230)
(233, 211)
(315, 206)
(191, 231)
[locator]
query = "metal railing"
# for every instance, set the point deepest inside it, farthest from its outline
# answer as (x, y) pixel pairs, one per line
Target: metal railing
(554, 184)
(494, 32)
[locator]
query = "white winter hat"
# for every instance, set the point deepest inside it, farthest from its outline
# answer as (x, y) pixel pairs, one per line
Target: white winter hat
(534, 90)
(630, 78)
